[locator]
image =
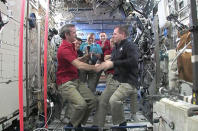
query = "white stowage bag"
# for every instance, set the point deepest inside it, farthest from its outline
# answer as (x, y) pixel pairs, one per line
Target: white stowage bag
(172, 72)
(163, 12)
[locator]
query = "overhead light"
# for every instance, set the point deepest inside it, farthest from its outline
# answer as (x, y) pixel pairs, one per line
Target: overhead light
(127, 1)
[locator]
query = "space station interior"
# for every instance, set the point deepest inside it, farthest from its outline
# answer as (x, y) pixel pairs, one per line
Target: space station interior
(164, 31)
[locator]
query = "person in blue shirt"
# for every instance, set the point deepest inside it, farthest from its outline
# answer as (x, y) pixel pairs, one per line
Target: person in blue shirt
(94, 51)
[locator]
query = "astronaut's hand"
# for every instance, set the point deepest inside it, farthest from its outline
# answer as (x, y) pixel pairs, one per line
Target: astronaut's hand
(107, 65)
(99, 67)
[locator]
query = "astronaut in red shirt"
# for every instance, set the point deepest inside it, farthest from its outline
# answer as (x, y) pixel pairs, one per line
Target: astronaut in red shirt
(75, 92)
(104, 43)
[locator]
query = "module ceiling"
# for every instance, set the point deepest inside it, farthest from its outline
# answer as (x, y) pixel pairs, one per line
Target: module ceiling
(95, 13)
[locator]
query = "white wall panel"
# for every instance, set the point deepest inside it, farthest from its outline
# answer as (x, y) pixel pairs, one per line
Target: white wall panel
(176, 112)
(9, 45)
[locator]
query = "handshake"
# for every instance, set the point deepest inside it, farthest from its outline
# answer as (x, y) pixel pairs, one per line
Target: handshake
(103, 66)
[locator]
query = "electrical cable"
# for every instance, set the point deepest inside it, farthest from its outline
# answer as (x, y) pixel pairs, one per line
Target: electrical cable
(56, 127)
(51, 111)
(39, 129)
(49, 116)
(59, 123)
(10, 81)
(8, 15)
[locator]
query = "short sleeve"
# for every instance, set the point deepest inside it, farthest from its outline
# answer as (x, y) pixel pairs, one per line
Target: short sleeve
(69, 55)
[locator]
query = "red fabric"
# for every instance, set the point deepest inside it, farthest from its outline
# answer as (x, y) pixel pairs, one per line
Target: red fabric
(45, 63)
(66, 71)
(108, 52)
(20, 84)
(106, 45)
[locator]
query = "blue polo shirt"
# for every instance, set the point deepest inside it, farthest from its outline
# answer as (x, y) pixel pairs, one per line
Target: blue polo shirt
(94, 48)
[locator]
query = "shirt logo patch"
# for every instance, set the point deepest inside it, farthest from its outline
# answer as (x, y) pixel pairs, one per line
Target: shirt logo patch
(121, 49)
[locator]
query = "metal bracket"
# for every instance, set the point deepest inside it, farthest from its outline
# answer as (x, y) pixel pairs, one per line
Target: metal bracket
(192, 111)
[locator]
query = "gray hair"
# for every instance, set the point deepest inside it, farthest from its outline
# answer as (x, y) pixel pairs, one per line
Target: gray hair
(65, 30)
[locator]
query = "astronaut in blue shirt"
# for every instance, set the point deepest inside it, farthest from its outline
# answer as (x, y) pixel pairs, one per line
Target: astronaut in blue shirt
(94, 50)
(91, 48)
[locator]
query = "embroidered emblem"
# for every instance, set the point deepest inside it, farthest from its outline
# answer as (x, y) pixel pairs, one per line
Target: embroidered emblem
(121, 49)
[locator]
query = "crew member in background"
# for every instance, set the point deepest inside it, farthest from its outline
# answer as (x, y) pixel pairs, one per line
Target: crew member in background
(124, 61)
(105, 45)
(94, 51)
(107, 53)
(77, 43)
(71, 89)
(102, 109)
(81, 57)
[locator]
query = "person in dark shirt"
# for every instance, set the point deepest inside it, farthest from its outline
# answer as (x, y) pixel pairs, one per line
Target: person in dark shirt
(78, 42)
(124, 82)
(81, 56)
(72, 90)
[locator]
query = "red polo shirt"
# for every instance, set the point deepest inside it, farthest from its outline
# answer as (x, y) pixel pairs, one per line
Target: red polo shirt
(106, 45)
(65, 55)
(108, 52)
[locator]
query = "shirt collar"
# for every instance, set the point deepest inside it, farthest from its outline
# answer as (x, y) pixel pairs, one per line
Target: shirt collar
(121, 43)
(68, 43)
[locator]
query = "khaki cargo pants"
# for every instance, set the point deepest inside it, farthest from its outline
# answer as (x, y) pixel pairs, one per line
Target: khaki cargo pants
(114, 94)
(89, 77)
(81, 100)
